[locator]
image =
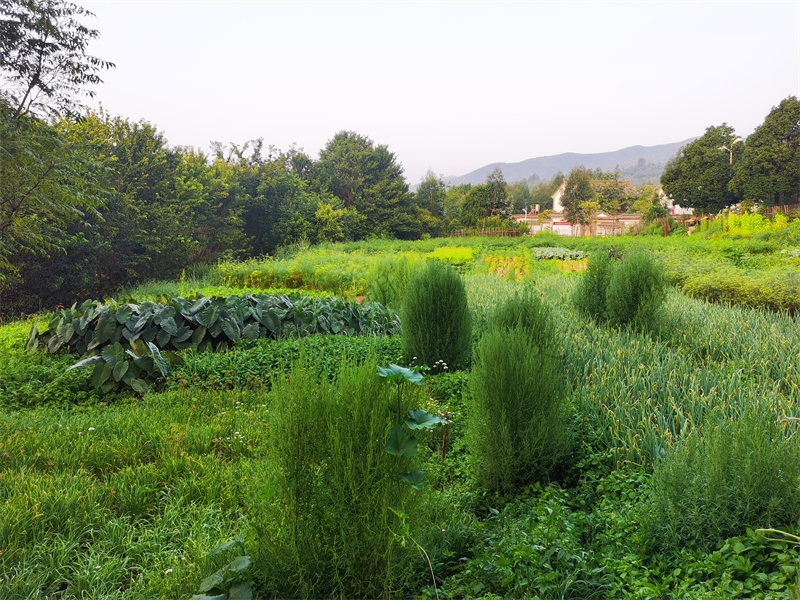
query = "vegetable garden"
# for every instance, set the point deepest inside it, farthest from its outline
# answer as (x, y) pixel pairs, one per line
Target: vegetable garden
(533, 417)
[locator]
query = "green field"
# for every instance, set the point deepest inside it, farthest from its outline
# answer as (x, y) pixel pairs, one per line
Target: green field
(683, 443)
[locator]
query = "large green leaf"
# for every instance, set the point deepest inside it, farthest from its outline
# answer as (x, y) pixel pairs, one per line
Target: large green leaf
(159, 360)
(231, 329)
(251, 331)
(104, 329)
(240, 591)
(33, 340)
(398, 374)
(65, 331)
(415, 479)
(163, 337)
(183, 334)
(198, 335)
(113, 354)
(401, 443)
(120, 369)
(212, 581)
(124, 312)
(239, 564)
(422, 419)
(208, 316)
(169, 326)
(140, 385)
(102, 371)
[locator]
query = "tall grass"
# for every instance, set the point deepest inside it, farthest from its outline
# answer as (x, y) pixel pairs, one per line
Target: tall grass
(737, 474)
(331, 530)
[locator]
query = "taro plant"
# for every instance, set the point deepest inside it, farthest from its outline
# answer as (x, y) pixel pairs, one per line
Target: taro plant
(230, 582)
(153, 328)
(402, 442)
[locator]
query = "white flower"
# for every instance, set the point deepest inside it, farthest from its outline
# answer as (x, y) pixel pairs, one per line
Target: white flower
(91, 428)
(168, 571)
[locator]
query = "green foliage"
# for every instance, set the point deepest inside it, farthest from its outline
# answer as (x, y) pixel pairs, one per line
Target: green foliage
(330, 529)
(590, 294)
(636, 290)
(517, 412)
(734, 475)
(150, 328)
(227, 583)
(578, 192)
(767, 171)
(621, 292)
(698, 176)
(389, 278)
(436, 318)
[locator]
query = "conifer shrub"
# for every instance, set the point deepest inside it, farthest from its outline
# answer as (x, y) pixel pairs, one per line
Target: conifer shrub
(327, 524)
(736, 474)
(637, 288)
(517, 425)
(435, 316)
(590, 294)
(622, 292)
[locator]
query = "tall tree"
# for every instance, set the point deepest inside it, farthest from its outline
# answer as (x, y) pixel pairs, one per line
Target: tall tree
(500, 204)
(43, 59)
(578, 191)
(769, 169)
(698, 176)
(368, 178)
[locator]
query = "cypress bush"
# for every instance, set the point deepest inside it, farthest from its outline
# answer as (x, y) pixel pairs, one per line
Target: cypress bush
(436, 319)
(636, 290)
(590, 294)
(630, 291)
(516, 423)
(736, 474)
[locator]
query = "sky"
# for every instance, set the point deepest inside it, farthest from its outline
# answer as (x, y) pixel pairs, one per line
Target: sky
(448, 86)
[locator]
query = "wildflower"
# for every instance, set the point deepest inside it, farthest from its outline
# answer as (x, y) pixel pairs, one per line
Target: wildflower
(91, 428)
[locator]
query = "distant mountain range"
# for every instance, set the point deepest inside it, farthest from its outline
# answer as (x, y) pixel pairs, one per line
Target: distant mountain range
(639, 164)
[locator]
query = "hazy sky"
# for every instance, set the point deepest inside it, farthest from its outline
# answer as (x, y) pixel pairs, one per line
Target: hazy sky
(447, 85)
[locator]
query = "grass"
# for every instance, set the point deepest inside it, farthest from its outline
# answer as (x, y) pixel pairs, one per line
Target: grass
(123, 497)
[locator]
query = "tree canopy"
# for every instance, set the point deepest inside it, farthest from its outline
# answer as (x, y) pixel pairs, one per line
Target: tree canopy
(769, 169)
(43, 61)
(698, 176)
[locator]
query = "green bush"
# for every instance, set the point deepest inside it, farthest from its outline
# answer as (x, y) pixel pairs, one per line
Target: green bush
(622, 292)
(331, 530)
(590, 295)
(516, 420)
(436, 318)
(636, 290)
(737, 474)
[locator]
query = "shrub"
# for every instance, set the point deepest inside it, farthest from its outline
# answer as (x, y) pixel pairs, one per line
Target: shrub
(332, 530)
(590, 295)
(636, 290)
(436, 318)
(735, 475)
(630, 291)
(516, 422)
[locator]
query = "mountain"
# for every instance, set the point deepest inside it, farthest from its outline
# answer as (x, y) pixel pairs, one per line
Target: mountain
(640, 164)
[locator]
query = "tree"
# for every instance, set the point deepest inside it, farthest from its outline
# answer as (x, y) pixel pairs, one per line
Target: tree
(578, 192)
(500, 204)
(47, 181)
(43, 60)
(431, 193)
(476, 206)
(520, 195)
(368, 178)
(698, 176)
(769, 168)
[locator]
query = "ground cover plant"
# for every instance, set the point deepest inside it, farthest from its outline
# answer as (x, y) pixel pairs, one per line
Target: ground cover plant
(159, 495)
